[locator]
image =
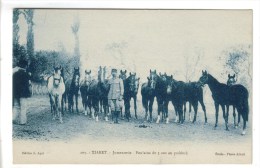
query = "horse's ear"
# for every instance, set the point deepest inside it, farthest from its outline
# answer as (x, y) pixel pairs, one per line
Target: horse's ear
(206, 72)
(89, 71)
(130, 73)
(160, 74)
(234, 76)
(74, 68)
(138, 78)
(150, 71)
(155, 71)
(171, 76)
(203, 72)
(165, 74)
(86, 71)
(229, 76)
(121, 71)
(125, 71)
(148, 78)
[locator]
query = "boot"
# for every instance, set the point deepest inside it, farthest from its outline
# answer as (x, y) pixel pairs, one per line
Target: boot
(117, 115)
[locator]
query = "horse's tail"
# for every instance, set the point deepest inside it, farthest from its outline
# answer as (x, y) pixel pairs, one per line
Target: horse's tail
(246, 108)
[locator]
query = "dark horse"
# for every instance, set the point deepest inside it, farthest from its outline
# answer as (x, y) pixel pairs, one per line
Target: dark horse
(176, 93)
(161, 95)
(122, 76)
(148, 94)
(230, 82)
(224, 95)
(84, 91)
(94, 93)
(74, 91)
(103, 89)
(131, 86)
(193, 94)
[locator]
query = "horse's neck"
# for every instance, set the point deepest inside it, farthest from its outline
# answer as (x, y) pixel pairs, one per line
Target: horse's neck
(213, 83)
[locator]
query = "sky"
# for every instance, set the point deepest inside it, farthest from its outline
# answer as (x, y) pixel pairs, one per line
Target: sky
(165, 40)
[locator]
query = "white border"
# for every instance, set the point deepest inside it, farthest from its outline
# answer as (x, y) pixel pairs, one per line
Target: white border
(6, 61)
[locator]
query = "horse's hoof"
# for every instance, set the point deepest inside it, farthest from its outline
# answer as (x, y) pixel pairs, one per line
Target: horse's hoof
(193, 122)
(236, 126)
(243, 132)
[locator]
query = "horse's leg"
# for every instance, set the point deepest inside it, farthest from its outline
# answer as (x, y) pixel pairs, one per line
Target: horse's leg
(151, 108)
(77, 98)
(159, 111)
(184, 106)
(225, 116)
(217, 110)
(127, 109)
(195, 107)
(166, 111)
(244, 124)
(62, 105)
(176, 112)
(204, 109)
(180, 111)
(190, 111)
(145, 103)
(59, 100)
(135, 106)
(234, 115)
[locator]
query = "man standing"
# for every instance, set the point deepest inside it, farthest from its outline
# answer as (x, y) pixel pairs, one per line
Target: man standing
(21, 92)
(115, 94)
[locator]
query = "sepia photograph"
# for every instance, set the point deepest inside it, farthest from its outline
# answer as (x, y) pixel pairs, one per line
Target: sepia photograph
(132, 86)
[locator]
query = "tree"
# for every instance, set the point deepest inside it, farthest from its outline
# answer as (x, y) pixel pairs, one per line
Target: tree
(75, 29)
(238, 61)
(16, 14)
(28, 15)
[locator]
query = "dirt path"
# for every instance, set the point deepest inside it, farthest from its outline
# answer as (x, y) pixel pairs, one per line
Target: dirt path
(41, 127)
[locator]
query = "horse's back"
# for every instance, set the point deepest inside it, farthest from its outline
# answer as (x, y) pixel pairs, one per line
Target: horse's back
(238, 93)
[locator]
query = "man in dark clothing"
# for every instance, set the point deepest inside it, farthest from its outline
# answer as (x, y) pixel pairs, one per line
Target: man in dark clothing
(21, 92)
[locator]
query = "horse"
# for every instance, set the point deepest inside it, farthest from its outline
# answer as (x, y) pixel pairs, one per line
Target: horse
(131, 86)
(161, 95)
(84, 90)
(193, 94)
(74, 91)
(56, 88)
(103, 87)
(123, 76)
(176, 94)
(148, 95)
(232, 81)
(224, 95)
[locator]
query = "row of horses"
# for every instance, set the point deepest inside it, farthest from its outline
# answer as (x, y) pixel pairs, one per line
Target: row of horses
(160, 86)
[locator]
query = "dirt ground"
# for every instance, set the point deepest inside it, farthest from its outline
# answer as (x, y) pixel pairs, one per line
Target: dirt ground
(41, 127)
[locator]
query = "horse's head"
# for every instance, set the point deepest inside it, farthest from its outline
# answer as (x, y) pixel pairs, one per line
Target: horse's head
(204, 78)
(87, 78)
(152, 79)
(122, 75)
(76, 76)
(169, 84)
(57, 76)
(133, 82)
(163, 76)
(231, 80)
